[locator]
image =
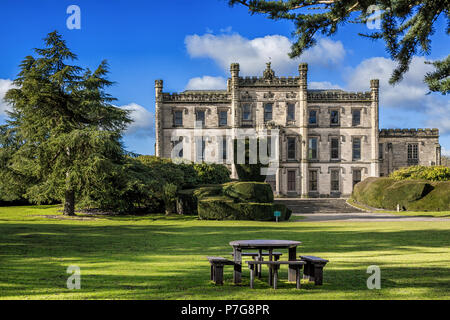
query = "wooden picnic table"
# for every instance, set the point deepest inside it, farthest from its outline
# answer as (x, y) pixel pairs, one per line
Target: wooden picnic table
(261, 245)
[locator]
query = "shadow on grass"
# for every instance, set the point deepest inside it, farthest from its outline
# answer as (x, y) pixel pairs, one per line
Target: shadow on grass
(168, 261)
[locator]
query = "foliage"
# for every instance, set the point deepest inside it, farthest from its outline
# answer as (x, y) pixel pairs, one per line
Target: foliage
(248, 171)
(169, 197)
(406, 27)
(211, 173)
(416, 195)
(433, 173)
(249, 191)
(66, 134)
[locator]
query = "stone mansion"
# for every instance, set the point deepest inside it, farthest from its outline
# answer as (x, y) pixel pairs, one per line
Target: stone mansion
(327, 140)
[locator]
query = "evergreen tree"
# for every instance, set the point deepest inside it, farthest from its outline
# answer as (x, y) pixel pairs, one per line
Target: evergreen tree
(66, 134)
(406, 27)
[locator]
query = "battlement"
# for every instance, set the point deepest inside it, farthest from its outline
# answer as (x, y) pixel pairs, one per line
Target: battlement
(198, 97)
(427, 132)
(338, 96)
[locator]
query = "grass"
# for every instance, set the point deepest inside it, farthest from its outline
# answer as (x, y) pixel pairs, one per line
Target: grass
(436, 214)
(158, 257)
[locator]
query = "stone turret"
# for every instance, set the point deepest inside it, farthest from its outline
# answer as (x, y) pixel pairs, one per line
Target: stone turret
(158, 118)
(374, 117)
(303, 107)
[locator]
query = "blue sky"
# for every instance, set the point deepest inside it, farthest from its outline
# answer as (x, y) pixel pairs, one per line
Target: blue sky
(190, 43)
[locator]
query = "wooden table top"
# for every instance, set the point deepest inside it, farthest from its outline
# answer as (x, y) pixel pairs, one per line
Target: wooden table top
(260, 244)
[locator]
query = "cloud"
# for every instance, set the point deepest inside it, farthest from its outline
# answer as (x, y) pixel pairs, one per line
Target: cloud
(252, 54)
(143, 120)
(207, 83)
(445, 152)
(5, 85)
(323, 85)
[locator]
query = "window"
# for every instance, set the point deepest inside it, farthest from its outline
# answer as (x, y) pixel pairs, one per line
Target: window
(413, 154)
(380, 151)
(356, 149)
(334, 117)
(312, 117)
(246, 112)
(313, 180)
(200, 149)
(291, 180)
(269, 146)
(223, 117)
(356, 117)
(334, 148)
(178, 118)
(268, 112)
(291, 148)
(356, 176)
(335, 180)
(224, 148)
(200, 117)
(291, 112)
(178, 146)
(312, 149)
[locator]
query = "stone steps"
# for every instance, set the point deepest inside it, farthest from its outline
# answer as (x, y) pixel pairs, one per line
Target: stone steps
(318, 205)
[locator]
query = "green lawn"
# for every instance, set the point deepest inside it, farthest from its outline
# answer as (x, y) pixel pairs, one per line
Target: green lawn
(435, 214)
(155, 257)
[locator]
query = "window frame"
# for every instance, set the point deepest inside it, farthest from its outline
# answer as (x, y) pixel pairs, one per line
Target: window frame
(338, 180)
(313, 182)
(290, 113)
(337, 148)
(338, 118)
(316, 117)
(175, 118)
(288, 150)
(245, 111)
(221, 112)
(266, 119)
(353, 149)
(204, 117)
(353, 117)
(310, 149)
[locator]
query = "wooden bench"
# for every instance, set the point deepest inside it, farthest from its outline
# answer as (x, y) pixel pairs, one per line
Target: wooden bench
(274, 266)
(255, 255)
(314, 269)
(217, 264)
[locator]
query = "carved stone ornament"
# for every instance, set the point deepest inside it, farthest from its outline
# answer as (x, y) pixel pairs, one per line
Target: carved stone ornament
(268, 74)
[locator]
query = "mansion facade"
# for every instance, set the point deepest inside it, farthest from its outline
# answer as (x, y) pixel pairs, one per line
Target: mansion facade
(326, 140)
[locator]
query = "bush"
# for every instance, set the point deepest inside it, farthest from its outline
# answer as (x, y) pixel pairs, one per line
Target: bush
(224, 208)
(187, 200)
(211, 173)
(247, 171)
(433, 173)
(249, 191)
(413, 195)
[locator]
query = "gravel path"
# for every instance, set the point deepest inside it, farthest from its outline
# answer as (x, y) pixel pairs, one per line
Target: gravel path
(362, 216)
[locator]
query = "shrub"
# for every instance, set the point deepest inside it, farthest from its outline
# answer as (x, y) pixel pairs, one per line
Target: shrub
(169, 197)
(247, 171)
(249, 191)
(433, 173)
(211, 173)
(187, 200)
(224, 208)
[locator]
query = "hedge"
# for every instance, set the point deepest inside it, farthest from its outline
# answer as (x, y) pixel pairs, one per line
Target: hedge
(430, 173)
(249, 191)
(224, 208)
(412, 195)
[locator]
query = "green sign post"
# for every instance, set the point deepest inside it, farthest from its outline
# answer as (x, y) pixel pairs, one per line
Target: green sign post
(277, 214)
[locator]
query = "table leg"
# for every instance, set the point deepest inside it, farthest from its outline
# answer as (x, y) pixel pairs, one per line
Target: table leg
(260, 258)
(270, 269)
(292, 257)
(237, 275)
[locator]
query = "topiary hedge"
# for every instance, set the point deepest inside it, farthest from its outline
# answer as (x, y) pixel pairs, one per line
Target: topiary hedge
(413, 195)
(249, 191)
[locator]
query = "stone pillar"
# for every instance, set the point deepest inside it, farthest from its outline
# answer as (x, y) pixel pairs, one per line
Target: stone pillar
(374, 161)
(438, 155)
(303, 108)
(234, 87)
(158, 118)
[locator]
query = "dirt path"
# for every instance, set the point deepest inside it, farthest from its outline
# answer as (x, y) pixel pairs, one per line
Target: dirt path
(362, 216)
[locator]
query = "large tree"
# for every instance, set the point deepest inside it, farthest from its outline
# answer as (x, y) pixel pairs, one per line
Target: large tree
(406, 27)
(63, 136)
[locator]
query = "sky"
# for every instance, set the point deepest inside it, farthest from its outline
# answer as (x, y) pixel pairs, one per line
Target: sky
(190, 44)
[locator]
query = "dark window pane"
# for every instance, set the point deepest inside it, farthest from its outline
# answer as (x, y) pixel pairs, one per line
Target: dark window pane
(291, 180)
(356, 149)
(312, 117)
(334, 148)
(246, 112)
(356, 117)
(291, 148)
(224, 148)
(356, 176)
(334, 117)
(380, 151)
(178, 118)
(335, 180)
(313, 180)
(268, 112)
(201, 117)
(223, 118)
(313, 148)
(291, 112)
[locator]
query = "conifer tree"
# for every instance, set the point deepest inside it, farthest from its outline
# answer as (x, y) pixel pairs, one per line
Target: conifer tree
(63, 135)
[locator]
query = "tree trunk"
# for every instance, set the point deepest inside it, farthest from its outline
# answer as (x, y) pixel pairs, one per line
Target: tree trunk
(69, 203)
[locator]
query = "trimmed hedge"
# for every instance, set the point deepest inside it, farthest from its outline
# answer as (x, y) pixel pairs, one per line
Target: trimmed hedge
(412, 195)
(249, 191)
(187, 200)
(224, 208)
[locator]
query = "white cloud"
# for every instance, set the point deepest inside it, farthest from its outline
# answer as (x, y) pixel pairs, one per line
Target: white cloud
(143, 120)
(5, 85)
(323, 85)
(207, 83)
(445, 152)
(252, 54)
